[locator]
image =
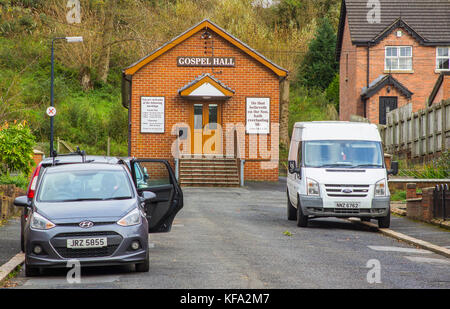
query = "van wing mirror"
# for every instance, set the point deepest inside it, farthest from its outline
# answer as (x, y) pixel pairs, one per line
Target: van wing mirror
(291, 166)
(293, 169)
(394, 168)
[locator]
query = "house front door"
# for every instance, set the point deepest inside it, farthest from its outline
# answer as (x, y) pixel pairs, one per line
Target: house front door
(206, 129)
(387, 104)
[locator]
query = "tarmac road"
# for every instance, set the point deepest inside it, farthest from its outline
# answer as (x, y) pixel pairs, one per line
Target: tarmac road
(239, 238)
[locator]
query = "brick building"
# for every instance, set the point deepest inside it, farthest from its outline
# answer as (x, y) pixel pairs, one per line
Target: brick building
(209, 103)
(391, 53)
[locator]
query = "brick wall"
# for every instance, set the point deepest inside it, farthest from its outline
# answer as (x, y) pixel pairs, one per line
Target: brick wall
(420, 206)
(7, 195)
(162, 77)
(420, 80)
(444, 91)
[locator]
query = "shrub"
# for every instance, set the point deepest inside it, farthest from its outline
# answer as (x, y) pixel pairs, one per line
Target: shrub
(20, 181)
(16, 148)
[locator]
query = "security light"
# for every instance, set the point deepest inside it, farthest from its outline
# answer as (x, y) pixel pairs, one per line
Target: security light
(74, 39)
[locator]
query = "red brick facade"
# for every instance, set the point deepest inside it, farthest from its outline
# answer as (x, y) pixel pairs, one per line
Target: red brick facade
(161, 77)
(443, 92)
(353, 74)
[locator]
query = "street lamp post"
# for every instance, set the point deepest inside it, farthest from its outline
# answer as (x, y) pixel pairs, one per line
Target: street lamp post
(73, 39)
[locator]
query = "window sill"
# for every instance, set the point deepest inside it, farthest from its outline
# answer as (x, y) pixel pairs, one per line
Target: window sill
(399, 71)
(437, 71)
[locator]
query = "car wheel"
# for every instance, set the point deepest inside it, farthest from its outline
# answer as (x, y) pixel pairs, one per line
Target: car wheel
(302, 220)
(143, 267)
(291, 211)
(385, 222)
(31, 271)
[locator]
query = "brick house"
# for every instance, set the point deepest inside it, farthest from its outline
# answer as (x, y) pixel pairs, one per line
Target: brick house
(392, 53)
(208, 102)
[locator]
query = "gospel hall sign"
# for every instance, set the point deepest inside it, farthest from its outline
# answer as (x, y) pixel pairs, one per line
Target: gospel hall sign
(206, 61)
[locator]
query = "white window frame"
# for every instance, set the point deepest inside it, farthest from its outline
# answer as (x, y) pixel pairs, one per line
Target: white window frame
(386, 57)
(442, 57)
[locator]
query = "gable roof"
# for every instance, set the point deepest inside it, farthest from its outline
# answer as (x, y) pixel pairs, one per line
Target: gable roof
(428, 21)
(278, 70)
(382, 81)
(206, 85)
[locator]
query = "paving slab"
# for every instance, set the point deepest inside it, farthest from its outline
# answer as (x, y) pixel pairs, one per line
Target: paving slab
(9, 240)
(427, 232)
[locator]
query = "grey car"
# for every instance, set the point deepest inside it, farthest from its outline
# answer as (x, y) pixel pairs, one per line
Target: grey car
(98, 213)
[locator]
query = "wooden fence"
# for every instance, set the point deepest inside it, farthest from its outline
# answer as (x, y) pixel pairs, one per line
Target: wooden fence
(418, 135)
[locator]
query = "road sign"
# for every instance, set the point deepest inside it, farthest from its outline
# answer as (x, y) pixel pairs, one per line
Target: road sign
(51, 111)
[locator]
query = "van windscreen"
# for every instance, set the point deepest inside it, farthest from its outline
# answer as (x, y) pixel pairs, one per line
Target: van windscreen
(333, 153)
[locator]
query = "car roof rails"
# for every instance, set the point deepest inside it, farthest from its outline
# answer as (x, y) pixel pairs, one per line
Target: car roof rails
(79, 152)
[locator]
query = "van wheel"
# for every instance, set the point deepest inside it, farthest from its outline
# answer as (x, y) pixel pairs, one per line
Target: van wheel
(385, 222)
(291, 211)
(31, 271)
(143, 267)
(302, 220)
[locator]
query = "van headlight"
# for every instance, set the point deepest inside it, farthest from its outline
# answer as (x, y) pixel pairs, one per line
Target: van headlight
(380, 188)
(38, 222)
(312, 187)
(132, 218)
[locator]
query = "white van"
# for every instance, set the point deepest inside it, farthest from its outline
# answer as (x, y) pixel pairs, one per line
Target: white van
(337, 169)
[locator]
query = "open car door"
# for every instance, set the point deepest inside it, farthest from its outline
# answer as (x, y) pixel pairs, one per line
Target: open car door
(157, 176)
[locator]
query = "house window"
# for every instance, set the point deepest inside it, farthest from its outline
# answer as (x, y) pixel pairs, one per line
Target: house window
(443, 58)
(398, 58)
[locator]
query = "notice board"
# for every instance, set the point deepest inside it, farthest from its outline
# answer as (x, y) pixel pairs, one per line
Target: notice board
(152, 114)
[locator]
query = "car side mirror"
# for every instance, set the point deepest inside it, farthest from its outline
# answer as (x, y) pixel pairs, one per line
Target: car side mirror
(148, 196)
(22, 201)
(293, 169)
(394, 168)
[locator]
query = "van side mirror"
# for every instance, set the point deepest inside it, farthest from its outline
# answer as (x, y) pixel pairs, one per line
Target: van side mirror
(394, 168)
(293, 169)
(21, 201)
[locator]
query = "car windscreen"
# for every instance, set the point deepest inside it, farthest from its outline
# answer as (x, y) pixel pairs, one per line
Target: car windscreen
(67, 186)
(335, 153)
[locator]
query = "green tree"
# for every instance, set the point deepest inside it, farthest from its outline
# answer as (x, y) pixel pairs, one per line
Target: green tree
(16, 148)
(332, 92)
(319, 65)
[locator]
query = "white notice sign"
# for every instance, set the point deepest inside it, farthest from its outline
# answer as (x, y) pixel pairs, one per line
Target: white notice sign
(152, 114)
(258, 116)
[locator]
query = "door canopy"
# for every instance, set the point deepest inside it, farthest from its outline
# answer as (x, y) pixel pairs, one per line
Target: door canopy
(206, 87)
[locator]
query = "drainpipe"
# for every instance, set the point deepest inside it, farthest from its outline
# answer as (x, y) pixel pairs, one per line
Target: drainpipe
(367, 77)
(242, 172)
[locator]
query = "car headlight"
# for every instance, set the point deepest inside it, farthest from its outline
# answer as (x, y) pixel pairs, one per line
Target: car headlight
(38, 222)
(380, 188)
(132, 218)
(312, 187)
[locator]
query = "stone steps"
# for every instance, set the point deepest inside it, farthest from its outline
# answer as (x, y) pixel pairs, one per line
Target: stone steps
(211, 172)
